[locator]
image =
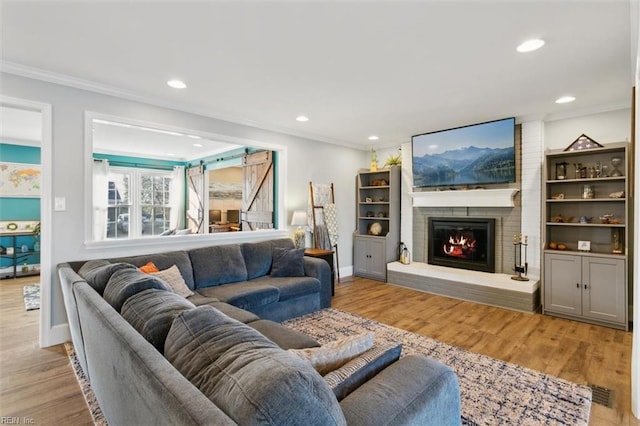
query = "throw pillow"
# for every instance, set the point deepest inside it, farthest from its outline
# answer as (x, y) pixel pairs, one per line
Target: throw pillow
(152, 312)
(90, 265)
(98, 277)
(173, 277)
(287, 262)
(149, 267)
(126, 282)
(334, 354)
(359, 370)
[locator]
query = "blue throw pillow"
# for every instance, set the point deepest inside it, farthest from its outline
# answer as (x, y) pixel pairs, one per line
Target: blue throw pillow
(287, 262)
(359, 370)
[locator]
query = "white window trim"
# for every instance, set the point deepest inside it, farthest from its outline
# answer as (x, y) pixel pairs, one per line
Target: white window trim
(280, 230)
(134, 204)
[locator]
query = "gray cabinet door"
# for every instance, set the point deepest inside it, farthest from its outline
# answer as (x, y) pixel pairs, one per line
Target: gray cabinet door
(378, 265)
(360, 256)
(562, 284)
(604, 295)
(369, 257)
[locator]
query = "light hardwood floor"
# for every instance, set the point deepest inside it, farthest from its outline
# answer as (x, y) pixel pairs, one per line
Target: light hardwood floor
(39, 384)
(579, 352)
(36, 385)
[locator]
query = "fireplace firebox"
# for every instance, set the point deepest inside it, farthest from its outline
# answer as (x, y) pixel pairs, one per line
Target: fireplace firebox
(466, 243)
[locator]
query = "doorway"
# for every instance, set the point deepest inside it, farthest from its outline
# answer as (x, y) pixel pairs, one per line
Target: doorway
(25, 138)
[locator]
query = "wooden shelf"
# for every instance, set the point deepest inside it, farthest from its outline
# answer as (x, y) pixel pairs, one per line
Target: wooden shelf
(588, 225)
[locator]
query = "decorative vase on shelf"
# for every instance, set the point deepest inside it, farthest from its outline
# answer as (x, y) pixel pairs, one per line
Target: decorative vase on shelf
(374, 161)
(615, 163)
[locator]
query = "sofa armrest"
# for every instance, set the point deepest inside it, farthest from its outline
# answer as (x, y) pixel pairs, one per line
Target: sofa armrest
(318, 268)
(68, 278)
(413, 390)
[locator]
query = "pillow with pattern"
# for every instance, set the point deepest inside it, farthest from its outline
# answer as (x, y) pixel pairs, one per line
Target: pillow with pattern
(334, 354)
(173, 277)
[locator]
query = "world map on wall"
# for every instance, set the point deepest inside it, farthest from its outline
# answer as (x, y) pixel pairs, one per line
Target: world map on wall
(19, 180)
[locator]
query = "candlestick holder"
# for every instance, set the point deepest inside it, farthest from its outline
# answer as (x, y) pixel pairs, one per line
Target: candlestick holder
(520, 266)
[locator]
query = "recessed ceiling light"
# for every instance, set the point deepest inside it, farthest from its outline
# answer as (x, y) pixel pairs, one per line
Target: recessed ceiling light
(565, 99)
(176, 84)
(373, 138)
(198, 145)
(302, 118)
(530, 45)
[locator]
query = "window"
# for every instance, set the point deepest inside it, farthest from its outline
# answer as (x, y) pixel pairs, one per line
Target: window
(139, 202)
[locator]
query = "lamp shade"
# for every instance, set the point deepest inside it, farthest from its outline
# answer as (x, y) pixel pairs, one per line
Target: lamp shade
(299, 218)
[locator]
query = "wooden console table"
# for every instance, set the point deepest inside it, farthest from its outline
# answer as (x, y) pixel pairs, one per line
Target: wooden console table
(327, 256)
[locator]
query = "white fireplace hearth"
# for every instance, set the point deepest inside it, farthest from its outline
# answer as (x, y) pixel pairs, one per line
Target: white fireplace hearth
(493, 289)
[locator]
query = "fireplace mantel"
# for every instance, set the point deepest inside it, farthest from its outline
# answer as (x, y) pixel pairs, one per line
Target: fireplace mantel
(465, 198)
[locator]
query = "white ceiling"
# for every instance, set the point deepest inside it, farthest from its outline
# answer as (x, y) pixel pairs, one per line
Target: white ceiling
(356, 68)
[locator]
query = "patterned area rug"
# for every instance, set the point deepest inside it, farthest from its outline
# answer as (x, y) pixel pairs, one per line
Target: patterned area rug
(31, 296)
(493, 392)
(89, 397)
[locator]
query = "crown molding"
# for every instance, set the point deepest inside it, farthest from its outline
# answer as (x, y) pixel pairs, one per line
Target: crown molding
(92, 86)
(586, 111)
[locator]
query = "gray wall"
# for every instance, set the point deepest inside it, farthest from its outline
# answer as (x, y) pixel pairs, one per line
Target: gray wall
(308, 160)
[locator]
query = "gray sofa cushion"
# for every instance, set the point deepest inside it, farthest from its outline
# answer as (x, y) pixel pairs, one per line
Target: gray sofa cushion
(415, 390)
(282, 336)
(287, 262)
(97, 273)
(180, 258)
(198, 299)
(246, 295)
(217, 265)
(152, 312)
(227, 309)
(291, 287)
(234, 312)
(246, 375)
(127, 282)
(257, 258)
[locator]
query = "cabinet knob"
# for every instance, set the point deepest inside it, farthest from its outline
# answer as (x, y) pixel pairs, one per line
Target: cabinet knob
(577, 285)
(586, 287)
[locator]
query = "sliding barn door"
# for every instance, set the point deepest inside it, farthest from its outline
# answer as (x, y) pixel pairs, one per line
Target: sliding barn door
(195, 197)
(258, 190)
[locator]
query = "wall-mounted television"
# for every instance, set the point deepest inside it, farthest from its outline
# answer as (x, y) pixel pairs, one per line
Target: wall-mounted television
(233, 216)
(215, 216)
(474, 155)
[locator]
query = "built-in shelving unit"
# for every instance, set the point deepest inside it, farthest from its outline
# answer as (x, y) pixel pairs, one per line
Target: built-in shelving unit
(586, 242)
(377, 234)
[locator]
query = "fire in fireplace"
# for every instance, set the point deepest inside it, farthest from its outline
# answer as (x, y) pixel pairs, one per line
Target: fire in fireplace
(459, 246)
(466, 243)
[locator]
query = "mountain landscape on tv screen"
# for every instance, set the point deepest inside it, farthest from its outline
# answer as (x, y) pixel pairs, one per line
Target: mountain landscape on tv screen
(465, 166)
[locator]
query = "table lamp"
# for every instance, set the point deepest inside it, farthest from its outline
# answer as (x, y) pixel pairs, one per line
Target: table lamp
(299, 219)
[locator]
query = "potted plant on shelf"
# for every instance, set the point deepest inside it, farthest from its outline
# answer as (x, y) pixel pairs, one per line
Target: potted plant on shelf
(393, 160)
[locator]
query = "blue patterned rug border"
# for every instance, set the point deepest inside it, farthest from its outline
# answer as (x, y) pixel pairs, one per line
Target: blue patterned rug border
(493, 392)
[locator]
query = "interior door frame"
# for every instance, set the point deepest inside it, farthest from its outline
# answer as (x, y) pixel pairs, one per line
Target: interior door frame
(47, 334)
